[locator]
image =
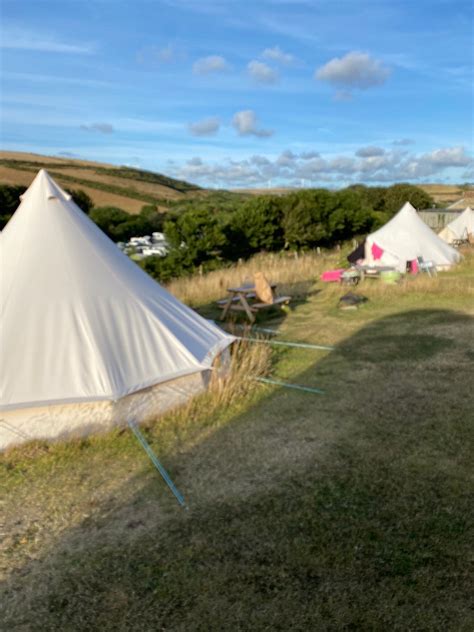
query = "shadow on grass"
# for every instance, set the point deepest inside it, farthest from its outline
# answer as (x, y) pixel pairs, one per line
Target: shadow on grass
(299, 292)
(350, 511)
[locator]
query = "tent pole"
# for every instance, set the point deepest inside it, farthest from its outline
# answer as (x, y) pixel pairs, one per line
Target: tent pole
(154, 459)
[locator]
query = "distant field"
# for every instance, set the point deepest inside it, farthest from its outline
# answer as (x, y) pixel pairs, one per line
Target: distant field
(443, 193)
(106, 184)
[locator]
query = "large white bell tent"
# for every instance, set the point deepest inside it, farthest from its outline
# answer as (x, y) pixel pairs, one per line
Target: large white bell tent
(405, 238)
(460, 228)
(87, 338)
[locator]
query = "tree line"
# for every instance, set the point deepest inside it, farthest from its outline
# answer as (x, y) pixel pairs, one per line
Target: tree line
(208, 232)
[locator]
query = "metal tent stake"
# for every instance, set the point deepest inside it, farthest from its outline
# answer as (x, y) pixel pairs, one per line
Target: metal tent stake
(154, 459)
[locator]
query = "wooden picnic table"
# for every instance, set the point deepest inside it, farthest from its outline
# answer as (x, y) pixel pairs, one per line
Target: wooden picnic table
(238, 301)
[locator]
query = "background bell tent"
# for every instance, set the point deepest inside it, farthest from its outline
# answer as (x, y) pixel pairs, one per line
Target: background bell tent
(404, 238)
(87, 337)
(460, 228)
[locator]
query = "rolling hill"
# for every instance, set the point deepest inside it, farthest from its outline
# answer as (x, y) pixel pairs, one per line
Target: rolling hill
(125, 187)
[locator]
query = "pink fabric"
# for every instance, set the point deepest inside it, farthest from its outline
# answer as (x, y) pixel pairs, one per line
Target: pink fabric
(414, 266)
(377, 252)
(332, 275)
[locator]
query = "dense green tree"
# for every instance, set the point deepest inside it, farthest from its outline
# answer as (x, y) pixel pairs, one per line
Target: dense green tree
(398, 194)
(257, 226)
(108, 218)
(152, 215)
(306, 216)
(83, 201)
(9, 201)
(195, 237)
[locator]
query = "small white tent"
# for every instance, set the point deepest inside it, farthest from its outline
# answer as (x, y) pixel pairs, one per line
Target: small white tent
(404, 238)
(460, 228)
(86, 336)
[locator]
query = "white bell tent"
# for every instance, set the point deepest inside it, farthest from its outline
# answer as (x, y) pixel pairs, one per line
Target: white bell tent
(87, 338)
(405, 238)
(460, 228)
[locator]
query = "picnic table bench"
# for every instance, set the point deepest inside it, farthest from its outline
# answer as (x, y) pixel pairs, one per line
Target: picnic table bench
(246, 299)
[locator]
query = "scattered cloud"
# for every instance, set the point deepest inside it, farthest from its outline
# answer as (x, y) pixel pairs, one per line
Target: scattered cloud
(277, 55)
(206, 127)
(208, 65)
(403, 141)
(262, 73)
(449, 157)
(245, 122)
(165, 55)
(367, 152)
(24, 39)
(354, 71)
(68, 154)
(102, 128)
(312, 168)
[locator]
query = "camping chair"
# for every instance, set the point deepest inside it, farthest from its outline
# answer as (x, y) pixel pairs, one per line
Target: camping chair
(427, 266)
(265, 296)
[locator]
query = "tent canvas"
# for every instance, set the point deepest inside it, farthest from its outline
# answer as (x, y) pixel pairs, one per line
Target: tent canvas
(404, 238)
(462, 227)
(84, 330)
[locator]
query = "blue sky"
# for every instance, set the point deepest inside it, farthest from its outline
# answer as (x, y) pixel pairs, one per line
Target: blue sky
(245, 93)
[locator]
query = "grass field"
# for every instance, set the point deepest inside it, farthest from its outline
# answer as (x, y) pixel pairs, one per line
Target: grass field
(351, 510)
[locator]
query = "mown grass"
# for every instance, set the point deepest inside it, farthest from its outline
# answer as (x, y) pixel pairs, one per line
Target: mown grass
(348, 511)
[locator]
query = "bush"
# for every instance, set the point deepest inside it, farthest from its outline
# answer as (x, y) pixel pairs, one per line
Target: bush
(256, 226)
(83, 201)
(9, 201)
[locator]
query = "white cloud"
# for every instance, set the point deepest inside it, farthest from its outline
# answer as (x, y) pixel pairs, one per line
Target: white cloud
(68, 154)
(449, 157)
(367, 152)
(355, 70)
(308, 155)
(262, 73)
(102, 128)
(206, 127)
(207, 65)
(245, 122)
(23, 39)
(279, 56)
(289, 167)
(403, 141)
(155, 55)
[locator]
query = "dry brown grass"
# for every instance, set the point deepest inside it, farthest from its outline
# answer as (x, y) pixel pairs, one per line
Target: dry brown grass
(285, 270)
(139, 186)
(100, 198)
(443, 193)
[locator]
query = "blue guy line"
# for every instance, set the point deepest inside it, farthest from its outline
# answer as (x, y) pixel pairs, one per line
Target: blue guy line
(298, 387)
(284, 343)
(154, 459)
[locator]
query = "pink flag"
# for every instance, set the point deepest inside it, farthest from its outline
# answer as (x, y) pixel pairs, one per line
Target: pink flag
(376, 252)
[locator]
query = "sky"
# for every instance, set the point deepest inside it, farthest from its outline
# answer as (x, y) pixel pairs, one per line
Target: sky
(245, 93)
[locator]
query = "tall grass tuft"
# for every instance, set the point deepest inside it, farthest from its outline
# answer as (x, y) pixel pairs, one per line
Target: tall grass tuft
(284, 269)
(229, 391)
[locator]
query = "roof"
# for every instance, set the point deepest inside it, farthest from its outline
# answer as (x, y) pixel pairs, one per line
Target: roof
(80, 321)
